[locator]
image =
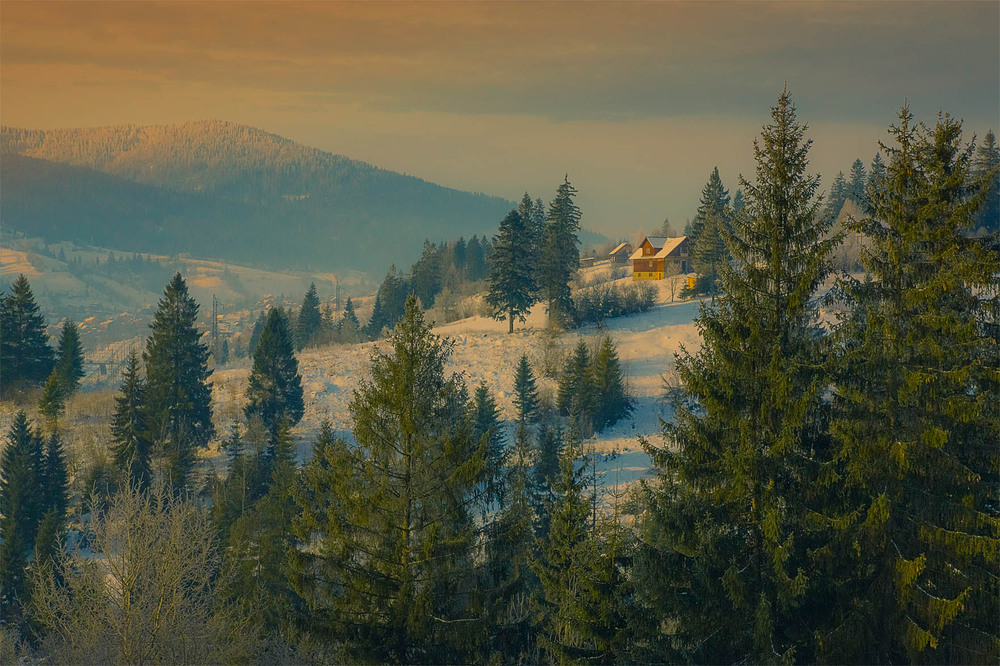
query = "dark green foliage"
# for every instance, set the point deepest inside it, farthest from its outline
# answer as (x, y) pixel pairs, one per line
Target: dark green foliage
(258, 328)
(607, 301)
(917, 417)
(525, 392)
(987, 166)
(726, 571)
(876, 177)
(54, 479)
(613, 400)
(178, 400)
(21, 502)
(487, 430)
(390, 302)
(426, 275)
(132, 448)
(512, 282)
(309, 319)
(577, 393)
(857, 182)
(560, 257)
(710, 253)
(546, 469)
(69, 363)
(714, 203)
(274, 389)
(388, 523)
(738, 203)
(838, 195)
(475, 260)
(349, 328)
(25, 355)
(52, 403)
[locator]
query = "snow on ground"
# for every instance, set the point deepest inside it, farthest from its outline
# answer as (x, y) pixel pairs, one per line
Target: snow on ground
(485, 352)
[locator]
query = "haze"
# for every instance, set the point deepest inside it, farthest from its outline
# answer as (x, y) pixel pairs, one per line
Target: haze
(636, 102)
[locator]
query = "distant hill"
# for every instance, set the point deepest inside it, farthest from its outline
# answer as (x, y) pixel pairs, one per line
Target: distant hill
(220, 190)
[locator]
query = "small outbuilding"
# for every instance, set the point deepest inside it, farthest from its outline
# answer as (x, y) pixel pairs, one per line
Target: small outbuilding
(621, 254)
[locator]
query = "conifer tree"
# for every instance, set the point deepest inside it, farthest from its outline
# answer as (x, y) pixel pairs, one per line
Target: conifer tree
(525, 392)
(25, 355)
(132, 448)
(52, 403)
(876, 176)
(20, 513)
(560, 255)
(427, 275)
(349, 325)
(987, 166)
(917, 417)
(512, 283)
(612, 398)
(577, 395)
(388, 523)
(726, 540)
(309, 320)
(274, 389)
(69, 363)
(838, 195)
(475, 263)
(714, 204)
(545, 473)
(738, 203)
(709, 253)
(857, 183)
(55, 478)
(258, 328)
(487, 430)
(178, 400)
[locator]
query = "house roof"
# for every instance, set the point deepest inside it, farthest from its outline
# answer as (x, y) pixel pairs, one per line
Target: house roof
(664, 246)
(621, 246)
(671, 245)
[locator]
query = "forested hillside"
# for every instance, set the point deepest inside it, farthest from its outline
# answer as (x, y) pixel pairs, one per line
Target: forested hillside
(221, 190)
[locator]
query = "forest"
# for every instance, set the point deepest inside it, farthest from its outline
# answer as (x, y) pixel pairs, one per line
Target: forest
(827, 489)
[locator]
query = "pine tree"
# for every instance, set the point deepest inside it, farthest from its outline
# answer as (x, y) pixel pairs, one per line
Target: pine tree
(714, 204)
(427, 275)
(53, 401)
(838, 195)
(132, 447)
(987, 166)
(857, 182)
(487, 430)
(917, 417)
(274, 389)
(25, 354)
(388, 523)
(69, 366)
(512, 283)
(349, 325)
(178, 399)
(577, 395)
(726, 540)
(20, 508)
(309, 320)
(54, 478)
(613, 400)
(525, 393)
(560, 256)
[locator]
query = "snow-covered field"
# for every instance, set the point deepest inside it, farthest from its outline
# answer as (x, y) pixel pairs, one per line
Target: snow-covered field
(485, 352)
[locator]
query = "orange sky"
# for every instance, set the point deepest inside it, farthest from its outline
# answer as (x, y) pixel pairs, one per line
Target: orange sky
(636, 101)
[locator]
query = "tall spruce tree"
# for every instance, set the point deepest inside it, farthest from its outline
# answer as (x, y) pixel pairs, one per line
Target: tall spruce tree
(69, 363)
(858, 181)
(426, 275)
(178, 399)
(389, 522)
(876, 176)
(512, 282)
(20, 514)
(714, 203)
(726, 541)
(918, 416)
(525, 391)
(274, 389)
(310, 320)
(25, 355)
(52, 403)
(613, 400)
(987, 166)
(577, 394)
(475, 263)
(488, 430)
(709, 253)
(132, 448)
(838, 195)
(349, 327)
(560, 257)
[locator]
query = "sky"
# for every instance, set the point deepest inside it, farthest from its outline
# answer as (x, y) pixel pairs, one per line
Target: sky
(635, 102)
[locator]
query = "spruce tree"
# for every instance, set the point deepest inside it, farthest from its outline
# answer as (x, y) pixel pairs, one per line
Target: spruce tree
(54, 478)
(427, 275)
(512, 283)
(577, 395)
(738, 203)
(726, 539)
(25, 355)
(560, 256)
(388, 524)
(20, 514)
(858, 181)
(258, 328)
(274, 389)
(876, 176)
(488, 431)
(132, 448)
(838, 195)
(178, 400)
(987, 166)
(309, 320)
(69, 364)
(475, 263)
(525, 392)
(917, 416)
(714, 204)
(349, 325)
(709, 253)
(613, 400)
(52, 403)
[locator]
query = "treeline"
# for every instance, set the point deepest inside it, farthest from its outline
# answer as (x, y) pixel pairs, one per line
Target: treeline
(824, 494)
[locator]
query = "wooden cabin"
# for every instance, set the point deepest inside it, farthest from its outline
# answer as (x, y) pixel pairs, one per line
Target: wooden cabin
(621, 254)
(659, 257)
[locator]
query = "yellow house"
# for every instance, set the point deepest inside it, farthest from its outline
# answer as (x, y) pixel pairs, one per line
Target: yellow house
(659, 257)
